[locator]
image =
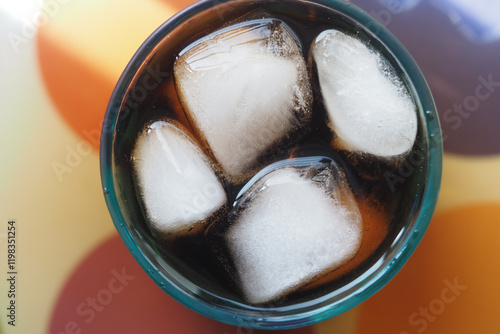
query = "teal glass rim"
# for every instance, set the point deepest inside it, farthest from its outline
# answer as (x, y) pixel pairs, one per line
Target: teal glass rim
(301, 314)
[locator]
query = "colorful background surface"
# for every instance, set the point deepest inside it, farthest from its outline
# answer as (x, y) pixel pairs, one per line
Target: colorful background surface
(59, 61)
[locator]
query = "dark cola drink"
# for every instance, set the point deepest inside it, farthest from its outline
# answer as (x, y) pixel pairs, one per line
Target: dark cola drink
(270, 151)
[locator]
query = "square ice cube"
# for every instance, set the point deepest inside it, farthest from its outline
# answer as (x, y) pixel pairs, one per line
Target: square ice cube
(290, 228)
(244, 88)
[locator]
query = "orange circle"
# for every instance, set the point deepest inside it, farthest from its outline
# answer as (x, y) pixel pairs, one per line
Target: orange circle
(449, 285)
(76, 71)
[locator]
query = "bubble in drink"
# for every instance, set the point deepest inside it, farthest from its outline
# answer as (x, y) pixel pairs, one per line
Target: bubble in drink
(244, 88)
(293, 225)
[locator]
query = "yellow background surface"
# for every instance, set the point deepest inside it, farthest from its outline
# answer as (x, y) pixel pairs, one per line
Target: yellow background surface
(77, 54)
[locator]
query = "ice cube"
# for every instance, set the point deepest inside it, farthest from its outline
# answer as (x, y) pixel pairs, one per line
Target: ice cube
(177, 183)
(292, 226)
(369, 108)
(244, 87)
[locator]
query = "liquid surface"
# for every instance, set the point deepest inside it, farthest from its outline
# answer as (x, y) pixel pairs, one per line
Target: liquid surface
(384, 197)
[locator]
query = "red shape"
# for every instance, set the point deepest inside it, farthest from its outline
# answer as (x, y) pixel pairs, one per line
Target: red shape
(110, 293)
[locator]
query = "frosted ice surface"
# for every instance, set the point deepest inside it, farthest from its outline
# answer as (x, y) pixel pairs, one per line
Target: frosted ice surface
(369, 108)
(244, 87)
(177, 183)
(292, 228)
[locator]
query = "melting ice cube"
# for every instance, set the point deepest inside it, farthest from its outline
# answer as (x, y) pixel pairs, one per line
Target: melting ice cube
(368, 106)
(244, 88)
(292, 226)
(177, 183)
